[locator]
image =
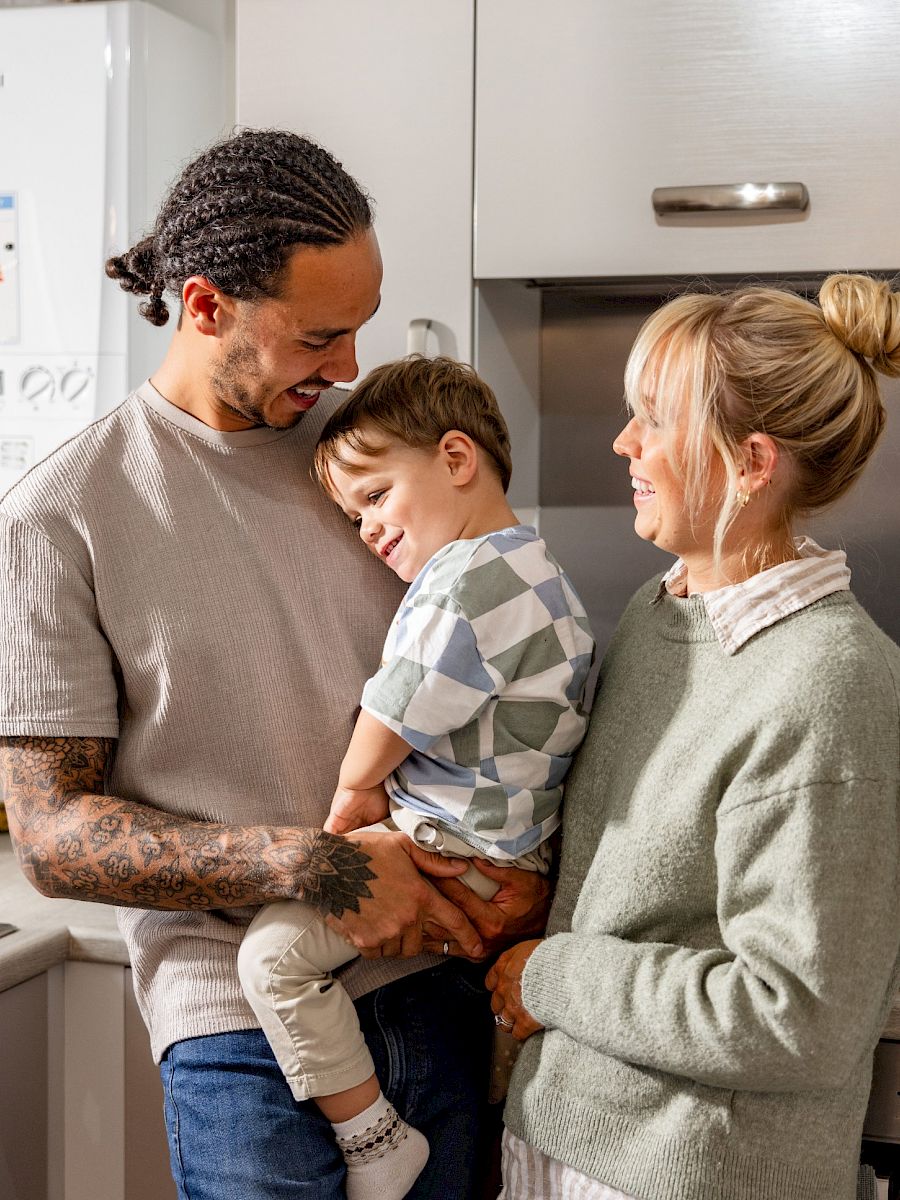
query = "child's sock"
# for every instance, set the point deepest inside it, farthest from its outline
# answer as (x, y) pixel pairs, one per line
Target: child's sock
(384, 1155)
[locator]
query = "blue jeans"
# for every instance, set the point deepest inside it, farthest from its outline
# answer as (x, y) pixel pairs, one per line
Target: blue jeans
(236, 1132)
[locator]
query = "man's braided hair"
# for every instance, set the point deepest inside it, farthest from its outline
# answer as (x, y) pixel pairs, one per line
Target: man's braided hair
(235, 214)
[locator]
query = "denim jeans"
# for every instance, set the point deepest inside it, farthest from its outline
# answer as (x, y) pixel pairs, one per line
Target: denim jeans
(236, 1132)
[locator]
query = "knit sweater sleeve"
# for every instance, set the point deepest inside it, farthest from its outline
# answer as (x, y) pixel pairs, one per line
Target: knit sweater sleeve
(791, 1000)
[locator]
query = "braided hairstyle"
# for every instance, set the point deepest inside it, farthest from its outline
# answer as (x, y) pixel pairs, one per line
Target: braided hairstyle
(235, 214)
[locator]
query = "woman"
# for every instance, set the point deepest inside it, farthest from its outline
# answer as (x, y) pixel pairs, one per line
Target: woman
(723, 946)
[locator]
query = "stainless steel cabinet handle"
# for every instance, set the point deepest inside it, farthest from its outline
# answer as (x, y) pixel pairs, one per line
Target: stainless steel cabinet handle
(731, 197)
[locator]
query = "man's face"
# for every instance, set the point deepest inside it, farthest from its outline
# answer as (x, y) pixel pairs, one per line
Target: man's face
(279, 353)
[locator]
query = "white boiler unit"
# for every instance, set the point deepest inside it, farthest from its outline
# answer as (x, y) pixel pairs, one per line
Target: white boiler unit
(100, 105)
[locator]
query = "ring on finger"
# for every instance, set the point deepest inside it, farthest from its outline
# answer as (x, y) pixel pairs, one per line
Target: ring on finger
(500, 1020)
(446, 949)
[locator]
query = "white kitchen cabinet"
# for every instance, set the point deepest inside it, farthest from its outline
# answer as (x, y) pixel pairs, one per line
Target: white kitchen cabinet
(584, 107)
(398, 114)
(80, 1097)
(23, 1090)
(106, 1130)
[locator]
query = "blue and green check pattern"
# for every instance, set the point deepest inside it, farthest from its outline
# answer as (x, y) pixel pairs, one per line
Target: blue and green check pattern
(484, 674)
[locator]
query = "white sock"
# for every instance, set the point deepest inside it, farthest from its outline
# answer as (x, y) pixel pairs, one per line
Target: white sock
(384, 1155)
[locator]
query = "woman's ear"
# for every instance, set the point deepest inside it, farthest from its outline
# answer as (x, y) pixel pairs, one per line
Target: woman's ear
(760, 460)
(460, 454)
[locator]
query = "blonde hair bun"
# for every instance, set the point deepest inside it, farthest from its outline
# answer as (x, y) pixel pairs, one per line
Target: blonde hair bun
(865, 314)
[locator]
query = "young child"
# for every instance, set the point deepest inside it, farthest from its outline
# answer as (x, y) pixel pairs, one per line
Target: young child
(465, 733)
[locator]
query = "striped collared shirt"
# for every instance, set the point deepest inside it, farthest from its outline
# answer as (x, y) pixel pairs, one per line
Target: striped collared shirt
(528, 1174)
(740, 610)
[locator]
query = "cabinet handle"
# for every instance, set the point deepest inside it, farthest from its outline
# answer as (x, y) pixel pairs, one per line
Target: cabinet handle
(424, 330)
(731, 197)
(417, 336)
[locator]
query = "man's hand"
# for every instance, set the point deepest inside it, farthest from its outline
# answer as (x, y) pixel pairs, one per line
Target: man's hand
(390, 920)
(352, 808)
(504, 979)
(519, 909)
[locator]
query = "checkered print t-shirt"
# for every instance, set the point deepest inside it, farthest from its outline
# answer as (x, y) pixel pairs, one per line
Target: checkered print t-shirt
(484, 674)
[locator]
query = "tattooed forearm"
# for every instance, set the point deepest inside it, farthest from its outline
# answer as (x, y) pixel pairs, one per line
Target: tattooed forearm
(73, 841)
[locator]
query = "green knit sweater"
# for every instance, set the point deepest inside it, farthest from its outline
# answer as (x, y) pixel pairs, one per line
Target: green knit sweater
(723, 946)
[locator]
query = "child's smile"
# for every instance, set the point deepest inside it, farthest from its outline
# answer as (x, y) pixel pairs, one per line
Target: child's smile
(388, 549)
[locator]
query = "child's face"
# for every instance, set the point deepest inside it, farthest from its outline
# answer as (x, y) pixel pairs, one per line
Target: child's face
(403, 502)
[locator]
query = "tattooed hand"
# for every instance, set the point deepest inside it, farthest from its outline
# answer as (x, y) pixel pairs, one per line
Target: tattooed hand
(74, 842)
(393, 921)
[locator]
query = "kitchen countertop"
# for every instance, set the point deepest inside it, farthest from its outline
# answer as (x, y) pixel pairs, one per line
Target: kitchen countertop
(55, 931)
(49, 931)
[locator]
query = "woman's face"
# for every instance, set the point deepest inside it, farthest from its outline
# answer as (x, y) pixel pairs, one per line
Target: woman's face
(662, 515)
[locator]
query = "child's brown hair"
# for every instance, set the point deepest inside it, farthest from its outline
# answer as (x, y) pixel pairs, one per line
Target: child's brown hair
(415, 401)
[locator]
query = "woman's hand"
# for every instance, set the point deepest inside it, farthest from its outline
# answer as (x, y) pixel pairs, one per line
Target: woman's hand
(504, 979)
(518, 910)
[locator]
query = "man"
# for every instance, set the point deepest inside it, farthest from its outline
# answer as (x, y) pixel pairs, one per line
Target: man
(187, 627)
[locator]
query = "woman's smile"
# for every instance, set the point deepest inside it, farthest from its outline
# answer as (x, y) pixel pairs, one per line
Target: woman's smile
(643, 490)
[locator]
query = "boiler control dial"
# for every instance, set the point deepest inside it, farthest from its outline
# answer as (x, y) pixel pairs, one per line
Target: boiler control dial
(73, 383)
(36, 385)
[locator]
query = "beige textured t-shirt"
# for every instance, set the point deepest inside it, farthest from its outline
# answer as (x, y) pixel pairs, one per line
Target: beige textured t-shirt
(194, 595)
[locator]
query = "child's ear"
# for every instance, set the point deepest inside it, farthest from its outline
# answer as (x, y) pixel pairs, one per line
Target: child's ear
(460, 454)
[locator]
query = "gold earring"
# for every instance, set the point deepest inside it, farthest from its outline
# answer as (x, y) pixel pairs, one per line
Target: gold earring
(742, 497)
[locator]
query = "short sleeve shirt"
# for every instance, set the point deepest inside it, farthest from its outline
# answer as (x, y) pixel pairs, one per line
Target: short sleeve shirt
(484, 674)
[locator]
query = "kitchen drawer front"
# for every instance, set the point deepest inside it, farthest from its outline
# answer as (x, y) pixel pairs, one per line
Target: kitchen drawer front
(583, 109)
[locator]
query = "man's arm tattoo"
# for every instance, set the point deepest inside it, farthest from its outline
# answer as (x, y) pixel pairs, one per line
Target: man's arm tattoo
(72, 841)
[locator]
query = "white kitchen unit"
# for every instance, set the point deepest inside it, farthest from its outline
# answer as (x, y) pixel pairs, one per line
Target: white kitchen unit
(397, 112)
(23, 1090)
(106, 1131)
(583, 109)
(80, 1097)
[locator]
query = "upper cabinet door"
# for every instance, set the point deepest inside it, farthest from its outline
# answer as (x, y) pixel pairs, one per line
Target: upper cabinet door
(388, 89)
(585, 107)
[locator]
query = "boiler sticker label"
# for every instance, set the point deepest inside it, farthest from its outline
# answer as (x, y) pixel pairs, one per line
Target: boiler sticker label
(9, 270)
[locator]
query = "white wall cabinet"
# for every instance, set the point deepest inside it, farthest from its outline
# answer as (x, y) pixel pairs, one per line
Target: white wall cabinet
(583, 108)
(398, 114)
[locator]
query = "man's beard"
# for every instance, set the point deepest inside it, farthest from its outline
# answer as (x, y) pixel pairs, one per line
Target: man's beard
(232, 382)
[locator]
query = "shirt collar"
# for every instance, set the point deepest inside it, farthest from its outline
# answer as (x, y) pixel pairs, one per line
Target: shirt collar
(740, 610)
